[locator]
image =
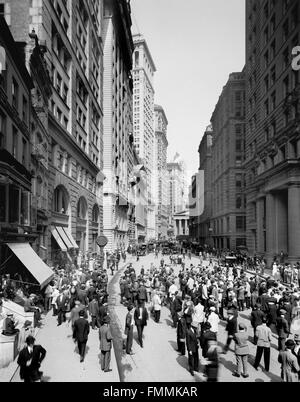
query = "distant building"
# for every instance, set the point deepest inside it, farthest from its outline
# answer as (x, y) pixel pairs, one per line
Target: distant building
(143, 120)
(228, 218)
(196, 205)
(160, 172)
(273, 127)
(176, 193)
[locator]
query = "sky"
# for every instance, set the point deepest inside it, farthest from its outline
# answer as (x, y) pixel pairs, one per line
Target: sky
(195, 45)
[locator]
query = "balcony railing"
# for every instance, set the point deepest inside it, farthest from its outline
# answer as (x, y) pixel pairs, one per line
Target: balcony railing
(60, 219)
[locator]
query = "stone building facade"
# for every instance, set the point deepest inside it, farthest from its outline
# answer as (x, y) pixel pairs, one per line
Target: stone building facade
(228, 215)
(272, 137)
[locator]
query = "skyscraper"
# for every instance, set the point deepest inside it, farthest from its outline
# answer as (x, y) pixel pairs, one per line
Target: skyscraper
(118, 136)
(160, 171)
(143, 119)
(70, 32)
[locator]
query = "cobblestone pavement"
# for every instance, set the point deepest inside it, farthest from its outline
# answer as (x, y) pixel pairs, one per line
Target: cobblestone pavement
(159, 361)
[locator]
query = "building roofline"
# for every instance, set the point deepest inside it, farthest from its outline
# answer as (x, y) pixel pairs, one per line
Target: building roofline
(161, 109)
(139, 39)
(13, 48)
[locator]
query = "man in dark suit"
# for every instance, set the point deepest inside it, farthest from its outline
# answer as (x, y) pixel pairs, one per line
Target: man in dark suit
(105, 337)
(94, 311)
(192, 347)
(129, 329)
(282, 327)
(62, 303)
(142, 294)
(231, 329)
(80, 333)
(181, 333)
(256, 319)
(175, 308)
(30, 359)
(206, 336)
(140, 318)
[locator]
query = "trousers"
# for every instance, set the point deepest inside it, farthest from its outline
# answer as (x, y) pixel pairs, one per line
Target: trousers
(105, 360)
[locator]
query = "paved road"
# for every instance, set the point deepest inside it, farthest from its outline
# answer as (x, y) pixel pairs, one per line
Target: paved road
(159, 361)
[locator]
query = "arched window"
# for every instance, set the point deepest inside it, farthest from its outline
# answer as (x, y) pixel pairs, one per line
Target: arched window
(81, 208)
(61, 200)
(95, 214)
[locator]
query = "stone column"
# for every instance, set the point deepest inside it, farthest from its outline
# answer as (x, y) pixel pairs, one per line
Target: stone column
(281, 234)
(270, 227)
(259, 225)
(294, 222)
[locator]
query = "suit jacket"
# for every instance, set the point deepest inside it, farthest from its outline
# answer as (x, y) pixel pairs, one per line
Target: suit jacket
(142, 293)
(128, 322)
(62, 304)
(143, 320)
(191, 340)
(241, 343)
(81, 330)
(256, 318)
(105, 337)
(231, 326)
(282, 327)
(94, 308)
(181, 329)
(37, 356)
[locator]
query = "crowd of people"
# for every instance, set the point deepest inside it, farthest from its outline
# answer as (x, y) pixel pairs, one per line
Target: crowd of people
(201, 296)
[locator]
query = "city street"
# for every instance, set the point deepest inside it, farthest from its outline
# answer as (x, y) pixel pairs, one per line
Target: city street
(159, 361)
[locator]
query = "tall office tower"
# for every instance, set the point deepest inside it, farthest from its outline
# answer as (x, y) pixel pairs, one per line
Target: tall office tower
(70, 33)
(143, 119)
(273, 124)
(160, 172)
(118, 137)
(228, 200)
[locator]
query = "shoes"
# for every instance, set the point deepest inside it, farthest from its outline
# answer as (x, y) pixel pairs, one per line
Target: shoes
(245, 375)
(81, 359)
(58, 325)
(235, 374)
(106, 371)
(192, 373)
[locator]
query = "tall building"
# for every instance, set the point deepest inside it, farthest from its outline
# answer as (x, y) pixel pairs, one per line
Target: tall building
(70, 32)
(228, 218)
(21, 225)
(118, 130)
(273, 122)
(160, 172)
(176, 193)
(143, 119)
(201, 230)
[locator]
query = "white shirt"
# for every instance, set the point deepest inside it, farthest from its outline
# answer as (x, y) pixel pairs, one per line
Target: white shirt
(198, 315)
(214, 320)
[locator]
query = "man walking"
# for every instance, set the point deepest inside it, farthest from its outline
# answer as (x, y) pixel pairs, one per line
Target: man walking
(30, 359)
(140, 318)
(282, 327)
(129, 329)
(80, 334)
(105, 337)
(94, 311)
(264, 337)
(241, 352)
(192, 347)
(231, 329)
(61, 302)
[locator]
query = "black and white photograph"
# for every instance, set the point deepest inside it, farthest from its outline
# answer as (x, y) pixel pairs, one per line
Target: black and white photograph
(149, 194)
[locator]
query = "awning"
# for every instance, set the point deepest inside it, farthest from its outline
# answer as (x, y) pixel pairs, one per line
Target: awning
(70, 237)
(25, 253)
(64, 237)
(58, 239)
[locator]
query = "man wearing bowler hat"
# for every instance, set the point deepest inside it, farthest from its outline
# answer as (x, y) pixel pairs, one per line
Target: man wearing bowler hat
(105, 337)
(80, 334)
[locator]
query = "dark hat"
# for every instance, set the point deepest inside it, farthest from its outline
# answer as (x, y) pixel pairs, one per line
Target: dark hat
(290, 343)
(297, 337)
(30, 340)
(130, 307)
(27, 323)
(81, 313)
